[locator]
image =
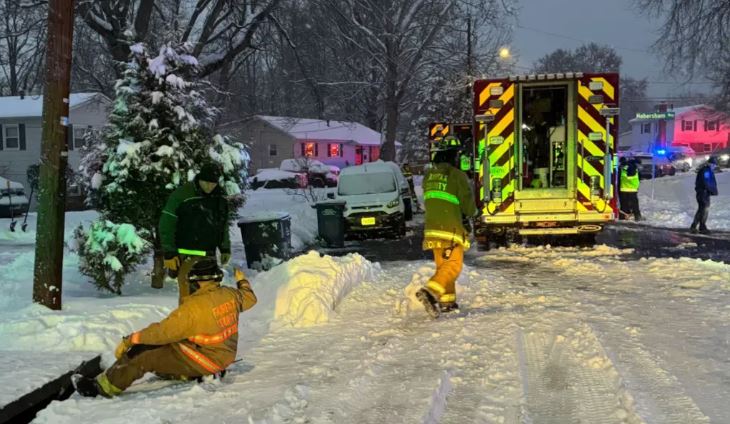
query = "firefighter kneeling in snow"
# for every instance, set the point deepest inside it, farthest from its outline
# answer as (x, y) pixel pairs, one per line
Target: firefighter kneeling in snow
(198, 338)
(448, 198)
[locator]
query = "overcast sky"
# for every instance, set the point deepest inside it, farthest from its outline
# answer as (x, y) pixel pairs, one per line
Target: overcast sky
(546, 25)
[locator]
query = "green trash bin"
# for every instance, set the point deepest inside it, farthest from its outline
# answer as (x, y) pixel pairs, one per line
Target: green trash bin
(331, 222)
(266, 239)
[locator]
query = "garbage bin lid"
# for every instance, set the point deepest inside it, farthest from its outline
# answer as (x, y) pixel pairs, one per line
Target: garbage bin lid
(267, 216)
(331, 203)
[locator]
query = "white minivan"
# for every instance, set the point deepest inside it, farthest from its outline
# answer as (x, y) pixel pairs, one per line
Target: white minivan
(375, 194)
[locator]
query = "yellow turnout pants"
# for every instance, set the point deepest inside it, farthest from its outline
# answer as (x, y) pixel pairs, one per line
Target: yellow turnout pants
(448, 267)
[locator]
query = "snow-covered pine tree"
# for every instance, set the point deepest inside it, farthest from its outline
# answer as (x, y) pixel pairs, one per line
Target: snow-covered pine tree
(160, 132)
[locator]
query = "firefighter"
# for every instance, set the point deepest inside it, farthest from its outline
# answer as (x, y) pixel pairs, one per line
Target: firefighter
(197, 339)
(705, 186)
(194, 223)
(629, 189)
(448, 198)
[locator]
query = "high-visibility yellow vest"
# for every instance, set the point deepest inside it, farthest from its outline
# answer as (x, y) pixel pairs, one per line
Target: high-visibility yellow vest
(629, 184)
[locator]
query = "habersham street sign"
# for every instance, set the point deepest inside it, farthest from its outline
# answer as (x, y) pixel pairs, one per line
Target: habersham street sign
(655, 116)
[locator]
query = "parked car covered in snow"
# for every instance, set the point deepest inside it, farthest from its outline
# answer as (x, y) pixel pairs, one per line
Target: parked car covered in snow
(375, 202)
(13, 201)
(318, 174)
(276, 178)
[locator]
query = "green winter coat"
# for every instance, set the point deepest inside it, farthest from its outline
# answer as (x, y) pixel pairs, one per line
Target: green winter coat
(448, 198)
(195, 223)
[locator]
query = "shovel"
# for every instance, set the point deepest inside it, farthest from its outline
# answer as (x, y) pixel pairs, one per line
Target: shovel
(13, 222)
(24, 226)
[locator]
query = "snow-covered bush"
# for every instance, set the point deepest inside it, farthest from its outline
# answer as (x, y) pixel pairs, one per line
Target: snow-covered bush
(108, 251)
(160, 132)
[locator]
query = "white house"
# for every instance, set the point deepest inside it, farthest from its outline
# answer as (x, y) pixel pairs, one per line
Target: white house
(697, 127)
(21, 127)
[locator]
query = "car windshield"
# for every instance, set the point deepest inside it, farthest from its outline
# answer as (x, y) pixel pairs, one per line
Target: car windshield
(354, 184)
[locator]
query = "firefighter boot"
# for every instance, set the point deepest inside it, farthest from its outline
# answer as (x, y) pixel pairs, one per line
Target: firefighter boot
(87, 387)
(448, 307)
(429, 303)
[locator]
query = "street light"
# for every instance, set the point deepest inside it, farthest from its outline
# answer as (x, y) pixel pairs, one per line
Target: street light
(504, 53)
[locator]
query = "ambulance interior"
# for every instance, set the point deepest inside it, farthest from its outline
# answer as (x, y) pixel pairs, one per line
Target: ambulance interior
(543, 125)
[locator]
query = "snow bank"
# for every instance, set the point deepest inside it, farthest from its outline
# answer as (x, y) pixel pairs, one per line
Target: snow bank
(310, 287)
(670, 201)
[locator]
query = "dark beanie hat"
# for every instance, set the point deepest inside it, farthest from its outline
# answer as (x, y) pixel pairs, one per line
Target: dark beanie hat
(205, 270)
(712, 160)
(210, 172)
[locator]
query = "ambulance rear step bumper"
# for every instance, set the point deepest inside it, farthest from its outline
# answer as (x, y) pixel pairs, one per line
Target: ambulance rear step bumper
(582, 229)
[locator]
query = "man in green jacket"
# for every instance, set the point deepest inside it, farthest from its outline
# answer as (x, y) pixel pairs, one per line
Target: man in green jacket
(448, 199)
(194, 223)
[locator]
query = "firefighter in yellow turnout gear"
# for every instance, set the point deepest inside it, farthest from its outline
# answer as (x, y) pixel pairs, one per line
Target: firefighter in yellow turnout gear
(448, 199)
(198, 338)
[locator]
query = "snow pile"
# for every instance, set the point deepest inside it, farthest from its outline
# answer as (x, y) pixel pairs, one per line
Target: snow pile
(670, 201)
(269, 174)
(311, 287)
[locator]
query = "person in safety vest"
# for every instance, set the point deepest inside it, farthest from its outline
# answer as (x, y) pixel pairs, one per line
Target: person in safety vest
(194, 223)
(197, 339)
(705, 186)
(629, 189)
(448, 198)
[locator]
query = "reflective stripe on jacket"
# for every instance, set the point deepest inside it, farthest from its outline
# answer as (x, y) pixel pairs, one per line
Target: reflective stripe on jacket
(448, 197)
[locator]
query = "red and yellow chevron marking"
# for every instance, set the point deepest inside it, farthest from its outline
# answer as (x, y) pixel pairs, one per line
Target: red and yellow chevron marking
(593, 142)
(499, 142)
(438, 130)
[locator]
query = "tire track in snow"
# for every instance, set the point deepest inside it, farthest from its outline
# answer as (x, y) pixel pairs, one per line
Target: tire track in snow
(569, 378)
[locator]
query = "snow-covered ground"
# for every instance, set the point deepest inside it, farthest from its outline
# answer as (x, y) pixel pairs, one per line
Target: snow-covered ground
(670, 201)
(558, 335)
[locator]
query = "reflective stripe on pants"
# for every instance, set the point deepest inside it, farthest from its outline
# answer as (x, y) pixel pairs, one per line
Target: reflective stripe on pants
(164, 360)
(443, 282)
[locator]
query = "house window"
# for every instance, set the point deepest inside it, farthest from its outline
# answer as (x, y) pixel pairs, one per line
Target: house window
(707, 147)
(272, 150)
(79, 138)
(687, 125)
(310, 150)
(11, 137)
(646, 128)
(334, 150)
(711, 125)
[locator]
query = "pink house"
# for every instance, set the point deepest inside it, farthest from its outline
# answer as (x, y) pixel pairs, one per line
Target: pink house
(272, 139)
(699, 127)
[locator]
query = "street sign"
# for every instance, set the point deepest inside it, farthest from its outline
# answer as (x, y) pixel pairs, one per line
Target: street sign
(655, 116)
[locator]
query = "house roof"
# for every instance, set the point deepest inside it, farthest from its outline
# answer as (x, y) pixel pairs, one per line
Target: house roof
(317, 129)
(32, 106)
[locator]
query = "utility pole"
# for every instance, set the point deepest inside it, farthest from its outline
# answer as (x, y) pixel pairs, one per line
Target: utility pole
(48, 271)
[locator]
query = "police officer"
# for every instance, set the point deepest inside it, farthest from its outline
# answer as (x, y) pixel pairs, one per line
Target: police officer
(629, 189)
(705, 186)
(448, 198)
(194, 223)
(197, 339)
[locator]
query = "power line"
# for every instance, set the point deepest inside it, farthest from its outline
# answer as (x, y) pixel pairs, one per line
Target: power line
(567, 37)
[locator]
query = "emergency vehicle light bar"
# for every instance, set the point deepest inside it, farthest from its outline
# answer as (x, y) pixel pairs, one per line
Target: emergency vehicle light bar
(542, 77)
